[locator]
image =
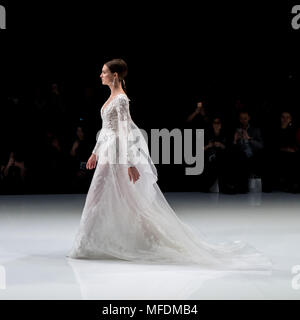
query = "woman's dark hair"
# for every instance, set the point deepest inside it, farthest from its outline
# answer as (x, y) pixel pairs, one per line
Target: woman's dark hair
(119, 66)
(286, 111)
(220, 117)
(214, 117)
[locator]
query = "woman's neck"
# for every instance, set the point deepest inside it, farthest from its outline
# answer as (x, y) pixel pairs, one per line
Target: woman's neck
(116, 90)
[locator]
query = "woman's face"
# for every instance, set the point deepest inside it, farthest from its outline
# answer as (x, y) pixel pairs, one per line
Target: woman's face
(286, 118)
(217, 124)
(106, 76)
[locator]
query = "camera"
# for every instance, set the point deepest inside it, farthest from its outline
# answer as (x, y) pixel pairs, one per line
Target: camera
(82, 165)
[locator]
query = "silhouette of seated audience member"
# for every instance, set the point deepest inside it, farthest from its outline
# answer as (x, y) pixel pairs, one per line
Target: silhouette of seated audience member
(298, 138)
(79, 153)
(284, 160)
(244, 156)
(56, 107)
(231, 116)
(54, 164)
(15, 175)
(214, 150)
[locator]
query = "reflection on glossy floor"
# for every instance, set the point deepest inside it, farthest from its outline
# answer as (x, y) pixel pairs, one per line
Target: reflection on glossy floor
(37, 231)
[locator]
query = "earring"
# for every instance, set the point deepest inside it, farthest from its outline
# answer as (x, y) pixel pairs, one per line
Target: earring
(113, 83)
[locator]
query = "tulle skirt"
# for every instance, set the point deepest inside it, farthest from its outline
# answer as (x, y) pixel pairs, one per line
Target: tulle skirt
(135, 222)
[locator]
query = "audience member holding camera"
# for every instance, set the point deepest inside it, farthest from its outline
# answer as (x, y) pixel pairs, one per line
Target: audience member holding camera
(243, 158)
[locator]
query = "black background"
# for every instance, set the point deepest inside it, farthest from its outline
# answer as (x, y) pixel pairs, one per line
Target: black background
(177, 53)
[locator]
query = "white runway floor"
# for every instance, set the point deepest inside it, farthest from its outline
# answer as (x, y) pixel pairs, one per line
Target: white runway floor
(37, 231)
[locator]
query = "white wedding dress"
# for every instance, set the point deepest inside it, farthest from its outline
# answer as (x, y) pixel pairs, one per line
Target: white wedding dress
(134, 222)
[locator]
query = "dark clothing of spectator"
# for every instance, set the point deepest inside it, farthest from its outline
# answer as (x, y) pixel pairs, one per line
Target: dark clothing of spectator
(80, 176)
(281, 165)
(199, 122)
(243, 160)
(214, 161)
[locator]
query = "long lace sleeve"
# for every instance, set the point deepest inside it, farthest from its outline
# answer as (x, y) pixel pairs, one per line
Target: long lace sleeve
(98, 143)
(126, 154)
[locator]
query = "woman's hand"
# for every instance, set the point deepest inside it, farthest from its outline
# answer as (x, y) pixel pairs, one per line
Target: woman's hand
(133, 174)
(91, 164)
(209, 145)
(237, 136)
(245, 135)
(11, 162)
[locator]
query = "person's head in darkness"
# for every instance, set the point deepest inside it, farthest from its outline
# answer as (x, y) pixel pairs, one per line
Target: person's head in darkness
(80, 132)
(201, 108)
(54, 89)
(244, 119)
(286, 119)
(217, 124)
(203, 112)
(52, 140)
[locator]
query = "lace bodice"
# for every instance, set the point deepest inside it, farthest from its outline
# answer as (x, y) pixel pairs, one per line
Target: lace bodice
(116, 109)
(116, 121)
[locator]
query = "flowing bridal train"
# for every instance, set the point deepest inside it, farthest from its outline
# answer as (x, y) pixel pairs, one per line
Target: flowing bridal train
(133, 221)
